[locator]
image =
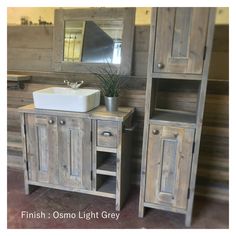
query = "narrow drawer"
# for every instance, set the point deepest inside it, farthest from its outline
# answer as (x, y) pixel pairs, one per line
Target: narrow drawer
(107, 132)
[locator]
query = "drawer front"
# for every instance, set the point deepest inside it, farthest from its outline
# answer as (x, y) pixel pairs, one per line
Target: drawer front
(107, 132)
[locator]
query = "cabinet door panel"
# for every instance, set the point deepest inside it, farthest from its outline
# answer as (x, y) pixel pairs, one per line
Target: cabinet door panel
(180, 40)
(74, 150)
(168, 165)
(42, 148)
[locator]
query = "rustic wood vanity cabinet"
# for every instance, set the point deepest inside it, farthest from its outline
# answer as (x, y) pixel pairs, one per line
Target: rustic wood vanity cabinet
(179, 55)
(82, 152)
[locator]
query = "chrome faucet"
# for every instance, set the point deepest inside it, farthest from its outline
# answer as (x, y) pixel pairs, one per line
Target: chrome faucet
(75, 85)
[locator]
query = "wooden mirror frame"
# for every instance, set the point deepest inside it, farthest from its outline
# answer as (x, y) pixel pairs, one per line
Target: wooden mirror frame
(127, 15)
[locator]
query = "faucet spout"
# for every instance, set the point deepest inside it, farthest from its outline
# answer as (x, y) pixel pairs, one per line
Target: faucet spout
(75, 85)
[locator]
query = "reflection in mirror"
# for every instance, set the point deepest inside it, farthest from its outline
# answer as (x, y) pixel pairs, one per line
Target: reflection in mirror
(97, 41)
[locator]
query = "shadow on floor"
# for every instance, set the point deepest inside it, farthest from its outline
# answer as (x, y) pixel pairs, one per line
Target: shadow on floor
(52, 208)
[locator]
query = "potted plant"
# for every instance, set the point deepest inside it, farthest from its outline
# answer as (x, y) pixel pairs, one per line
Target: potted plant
(110, 83)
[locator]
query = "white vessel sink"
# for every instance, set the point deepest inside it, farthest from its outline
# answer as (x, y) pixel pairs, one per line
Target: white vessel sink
(66, 99)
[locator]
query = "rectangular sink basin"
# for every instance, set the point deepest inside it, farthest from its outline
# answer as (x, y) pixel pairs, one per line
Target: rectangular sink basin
(66, 99)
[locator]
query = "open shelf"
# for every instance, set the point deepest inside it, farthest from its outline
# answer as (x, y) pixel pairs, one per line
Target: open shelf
(106, 163)
(167, 116)
(106, 184)
(175, 101)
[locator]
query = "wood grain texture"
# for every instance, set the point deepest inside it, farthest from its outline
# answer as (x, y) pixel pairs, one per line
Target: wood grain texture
(29, 36)
(213, 150)
(107, 134)
(168, 169)
(74, 152)
(180, 40)
(175, 59)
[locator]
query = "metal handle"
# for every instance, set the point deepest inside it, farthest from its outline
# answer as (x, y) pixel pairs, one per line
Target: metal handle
(155, 131)
(62, 122)
(131, 129)
(160, 65)
(106, 133)
(50, 121)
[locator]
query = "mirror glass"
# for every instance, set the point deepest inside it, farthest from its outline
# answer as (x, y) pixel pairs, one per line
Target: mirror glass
(98, 41)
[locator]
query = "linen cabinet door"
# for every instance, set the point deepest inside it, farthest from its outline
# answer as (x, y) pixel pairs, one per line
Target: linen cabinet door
(41, 136)
(180, 40)
(74, 152)
(168, 165)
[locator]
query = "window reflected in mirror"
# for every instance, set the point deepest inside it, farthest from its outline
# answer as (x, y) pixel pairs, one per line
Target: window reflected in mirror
(89, 41)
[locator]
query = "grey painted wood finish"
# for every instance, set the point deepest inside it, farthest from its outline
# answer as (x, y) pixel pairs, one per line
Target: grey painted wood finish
(213, 169)
(179, 38)
(168, 165)
(61, 150)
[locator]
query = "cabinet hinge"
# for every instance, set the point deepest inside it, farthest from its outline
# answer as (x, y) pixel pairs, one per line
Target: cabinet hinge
(25, 129)
(91, 136)
(188, 194)
(193, 147)
(204, 52)
(91, 175)
(26, 165)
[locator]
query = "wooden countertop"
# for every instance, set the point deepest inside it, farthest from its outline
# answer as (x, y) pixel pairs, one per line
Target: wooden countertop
(98, 113)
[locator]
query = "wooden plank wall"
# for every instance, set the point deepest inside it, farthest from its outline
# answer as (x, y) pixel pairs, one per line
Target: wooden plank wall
(30, 52)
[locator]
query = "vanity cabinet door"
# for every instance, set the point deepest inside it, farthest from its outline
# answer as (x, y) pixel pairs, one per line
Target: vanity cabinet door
(180, 40)
(168, 165)
(74, 152)
(41, 136)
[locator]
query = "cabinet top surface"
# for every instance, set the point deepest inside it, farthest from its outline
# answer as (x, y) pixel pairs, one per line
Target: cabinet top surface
(13, 77)
(98, 113)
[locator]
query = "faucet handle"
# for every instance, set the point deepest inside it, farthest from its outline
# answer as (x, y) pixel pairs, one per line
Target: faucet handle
(66, 82)
(79, 83)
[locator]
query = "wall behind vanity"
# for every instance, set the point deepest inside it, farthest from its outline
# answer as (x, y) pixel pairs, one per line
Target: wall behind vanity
(30, 52)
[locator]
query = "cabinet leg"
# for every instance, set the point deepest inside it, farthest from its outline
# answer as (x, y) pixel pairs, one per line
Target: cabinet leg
(141, 211)
(29, 188)
(118, 206)
(188, 219)
(27, 191)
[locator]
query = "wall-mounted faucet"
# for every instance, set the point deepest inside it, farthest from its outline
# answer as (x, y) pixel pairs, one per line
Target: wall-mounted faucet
(75, 85)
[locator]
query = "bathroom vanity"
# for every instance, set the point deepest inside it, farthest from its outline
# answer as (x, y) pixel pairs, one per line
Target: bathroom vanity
(81, 152)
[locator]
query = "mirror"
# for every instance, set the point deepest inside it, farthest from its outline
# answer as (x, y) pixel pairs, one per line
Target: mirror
(97, 41)
(87, 38)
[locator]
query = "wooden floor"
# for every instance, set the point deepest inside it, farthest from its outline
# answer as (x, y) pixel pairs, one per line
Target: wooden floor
(206, 214)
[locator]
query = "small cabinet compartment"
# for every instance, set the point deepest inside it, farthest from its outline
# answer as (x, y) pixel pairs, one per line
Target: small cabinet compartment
(106, 184)
(106, 163)
(107, 133)
(174, 100)
(168, 165)
(180, 40)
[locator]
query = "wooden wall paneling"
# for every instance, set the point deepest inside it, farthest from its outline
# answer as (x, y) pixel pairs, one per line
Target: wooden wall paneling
(30, 37)
(29, 59)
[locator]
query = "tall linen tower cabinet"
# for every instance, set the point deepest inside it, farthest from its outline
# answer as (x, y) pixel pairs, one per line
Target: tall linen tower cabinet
(178, 63)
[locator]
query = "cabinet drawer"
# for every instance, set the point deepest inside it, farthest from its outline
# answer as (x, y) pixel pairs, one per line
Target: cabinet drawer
(107, 134)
